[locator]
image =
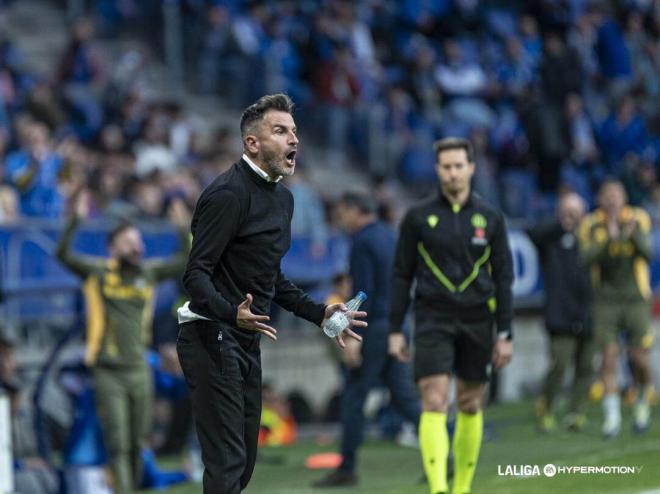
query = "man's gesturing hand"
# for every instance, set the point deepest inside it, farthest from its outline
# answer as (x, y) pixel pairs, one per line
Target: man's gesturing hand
(245, 319)
(331, 309)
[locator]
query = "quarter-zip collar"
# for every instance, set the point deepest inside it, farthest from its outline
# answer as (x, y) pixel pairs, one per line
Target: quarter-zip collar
(455, 208)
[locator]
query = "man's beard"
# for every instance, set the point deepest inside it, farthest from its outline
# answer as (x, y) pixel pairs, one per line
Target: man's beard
(129, 262)
(275, 164)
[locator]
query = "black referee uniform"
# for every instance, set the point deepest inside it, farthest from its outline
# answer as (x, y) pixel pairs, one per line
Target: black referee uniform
(461, 261)
(241, 231)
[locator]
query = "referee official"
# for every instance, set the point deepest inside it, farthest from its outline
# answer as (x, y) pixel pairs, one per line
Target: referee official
(241, 230)
(454, 246)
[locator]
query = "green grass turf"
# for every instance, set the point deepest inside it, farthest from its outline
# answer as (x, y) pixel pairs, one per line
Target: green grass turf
(388, 469)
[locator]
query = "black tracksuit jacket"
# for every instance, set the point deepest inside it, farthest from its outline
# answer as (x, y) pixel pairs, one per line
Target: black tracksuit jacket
(241, 230)
(567, 283)
(460, 260)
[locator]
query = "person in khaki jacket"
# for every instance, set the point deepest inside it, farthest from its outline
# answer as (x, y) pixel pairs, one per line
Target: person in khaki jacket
(119, 294)
(615, 242)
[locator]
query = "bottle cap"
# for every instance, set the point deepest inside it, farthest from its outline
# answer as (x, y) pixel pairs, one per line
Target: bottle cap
(362, 296)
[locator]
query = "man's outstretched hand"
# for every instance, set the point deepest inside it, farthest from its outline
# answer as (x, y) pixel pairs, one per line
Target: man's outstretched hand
(245, 319)
(354, 316)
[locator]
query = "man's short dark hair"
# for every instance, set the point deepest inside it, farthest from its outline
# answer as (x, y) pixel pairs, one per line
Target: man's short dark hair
(363, 201)
(254, 113)
(118, 230)
(454, 143)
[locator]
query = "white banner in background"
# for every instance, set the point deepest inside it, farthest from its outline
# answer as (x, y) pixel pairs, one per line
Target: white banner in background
(6, 462)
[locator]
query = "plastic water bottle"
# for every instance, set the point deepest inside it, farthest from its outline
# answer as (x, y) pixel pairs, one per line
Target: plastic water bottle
(339, 321)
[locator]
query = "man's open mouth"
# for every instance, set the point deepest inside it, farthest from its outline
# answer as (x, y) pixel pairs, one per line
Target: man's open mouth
(291, 157)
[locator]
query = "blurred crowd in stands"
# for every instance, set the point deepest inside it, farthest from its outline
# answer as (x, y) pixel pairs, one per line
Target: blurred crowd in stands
(553, 93)
(94, 127)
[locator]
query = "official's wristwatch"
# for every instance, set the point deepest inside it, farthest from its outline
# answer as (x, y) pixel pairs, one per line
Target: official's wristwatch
(506, 335)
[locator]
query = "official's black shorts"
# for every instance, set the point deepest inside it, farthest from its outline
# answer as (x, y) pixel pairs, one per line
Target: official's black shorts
(448, 345)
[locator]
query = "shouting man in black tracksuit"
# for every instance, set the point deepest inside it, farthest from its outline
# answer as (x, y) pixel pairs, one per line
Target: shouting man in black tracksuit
(241, 230)
(455, 247)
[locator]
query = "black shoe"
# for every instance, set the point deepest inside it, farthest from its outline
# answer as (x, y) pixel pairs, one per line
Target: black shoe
(337, 479)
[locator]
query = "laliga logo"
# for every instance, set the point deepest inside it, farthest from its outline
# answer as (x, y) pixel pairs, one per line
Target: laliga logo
(519, 470)
(526, 470)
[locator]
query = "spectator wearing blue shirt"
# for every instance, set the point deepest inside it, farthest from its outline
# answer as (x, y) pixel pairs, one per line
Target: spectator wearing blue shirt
(80, 73)
(515, 73)
(613, 54)
(531, 39)
(464, 84)
(308, 219)
(34, 170)
(580, 131)
(623, 132)
(249, 33)
(424, 14)
(422, 86)
(80, 63)
(216, 51)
